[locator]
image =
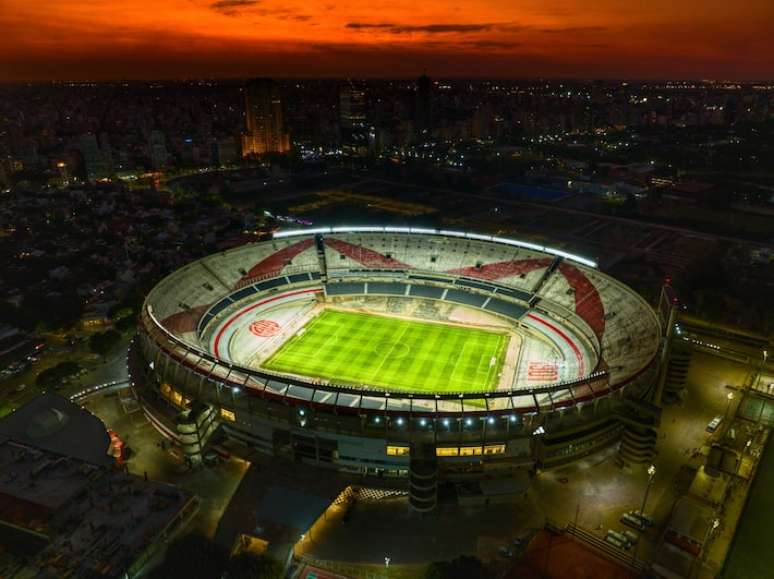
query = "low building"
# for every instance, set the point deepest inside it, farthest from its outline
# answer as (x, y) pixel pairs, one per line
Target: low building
(66, 509)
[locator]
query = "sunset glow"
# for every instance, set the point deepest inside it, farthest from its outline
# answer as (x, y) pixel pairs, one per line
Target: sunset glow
(85, 39)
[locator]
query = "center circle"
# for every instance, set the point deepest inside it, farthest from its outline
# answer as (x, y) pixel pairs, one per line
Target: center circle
(391, 348)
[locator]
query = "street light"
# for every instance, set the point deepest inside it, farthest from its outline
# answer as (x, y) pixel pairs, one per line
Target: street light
(730, 397)
(651, 474)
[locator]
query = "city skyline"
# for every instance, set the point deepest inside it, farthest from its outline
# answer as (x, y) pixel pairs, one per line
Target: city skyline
(96, 40)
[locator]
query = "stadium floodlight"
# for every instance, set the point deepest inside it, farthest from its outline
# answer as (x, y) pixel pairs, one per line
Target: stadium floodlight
(468, 421)
(294, 232)
(446, 422)
(513, 418)
(235, 389)
(451, 233)
(355, 229)
(301, 411)
(571, 256)
(378, 420)
(479, 236)
(422, 422)
(399, 421)
(490, 420)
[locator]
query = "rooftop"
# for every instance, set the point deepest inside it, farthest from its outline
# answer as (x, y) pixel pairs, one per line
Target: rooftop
(69, 513)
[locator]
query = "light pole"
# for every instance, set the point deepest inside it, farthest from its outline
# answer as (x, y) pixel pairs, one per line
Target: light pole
(651, 474)
(710, 530)
(728, 406)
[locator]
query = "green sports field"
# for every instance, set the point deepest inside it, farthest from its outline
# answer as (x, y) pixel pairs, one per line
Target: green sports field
(395, 354)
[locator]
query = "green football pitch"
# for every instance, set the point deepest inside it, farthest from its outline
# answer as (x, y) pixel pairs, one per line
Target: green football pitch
(395, 354)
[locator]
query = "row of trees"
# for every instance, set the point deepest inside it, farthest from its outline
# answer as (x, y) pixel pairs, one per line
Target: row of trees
(197, 556)
(194, 555)
(53, 376)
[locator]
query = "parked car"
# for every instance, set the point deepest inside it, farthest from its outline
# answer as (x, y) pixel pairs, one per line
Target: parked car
(714, 423)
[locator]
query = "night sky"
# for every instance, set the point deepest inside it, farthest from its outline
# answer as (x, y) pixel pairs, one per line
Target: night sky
(145, 39)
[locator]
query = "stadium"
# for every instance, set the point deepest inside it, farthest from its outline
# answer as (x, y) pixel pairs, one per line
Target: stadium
(411, 354)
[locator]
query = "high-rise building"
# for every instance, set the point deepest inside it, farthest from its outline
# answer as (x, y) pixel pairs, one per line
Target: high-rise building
(423, 107)
(94, 160)
(265, 127)
(354, 129)
(157, 148)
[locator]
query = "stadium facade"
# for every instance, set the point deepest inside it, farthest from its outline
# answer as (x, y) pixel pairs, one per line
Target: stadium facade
(585, 352)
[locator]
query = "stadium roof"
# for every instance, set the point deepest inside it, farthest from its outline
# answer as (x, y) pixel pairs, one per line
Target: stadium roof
(53, 423)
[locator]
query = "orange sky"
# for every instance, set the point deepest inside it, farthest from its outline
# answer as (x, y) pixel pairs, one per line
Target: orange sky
(97, 39)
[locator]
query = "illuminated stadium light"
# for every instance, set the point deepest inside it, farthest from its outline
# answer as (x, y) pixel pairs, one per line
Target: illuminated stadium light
(468, 421)
(399, 421)
(378, 420)
(294, 232)
(490, 420)
(513, 418)
(422, 422)
(446, 422)
(301, 411)
(235, 389)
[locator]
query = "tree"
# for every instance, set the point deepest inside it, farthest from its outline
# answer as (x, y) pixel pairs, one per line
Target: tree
(192, 556)
(54, 375)
(248, 566)
(463, 567)
(53, 311)
(102, 342)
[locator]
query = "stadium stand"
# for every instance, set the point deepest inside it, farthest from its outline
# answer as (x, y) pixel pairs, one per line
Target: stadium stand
(344, 288)
(509, 309)
(378, 287)
(463, 297)
(426, 291)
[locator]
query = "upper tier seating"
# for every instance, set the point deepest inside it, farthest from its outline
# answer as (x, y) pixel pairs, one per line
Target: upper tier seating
(621, 322)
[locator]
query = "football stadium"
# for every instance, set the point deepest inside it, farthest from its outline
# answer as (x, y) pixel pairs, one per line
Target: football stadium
(414, 355)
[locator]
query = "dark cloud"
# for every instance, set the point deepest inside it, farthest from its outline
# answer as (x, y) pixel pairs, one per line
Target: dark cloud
(367, 25)
(232, 7)
(490, 44)
(423, 29)
(573, 29)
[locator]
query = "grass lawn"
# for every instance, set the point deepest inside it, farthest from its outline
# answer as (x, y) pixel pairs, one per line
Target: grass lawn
(395, 354)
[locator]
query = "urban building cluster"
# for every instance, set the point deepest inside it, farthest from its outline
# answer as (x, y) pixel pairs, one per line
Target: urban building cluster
(64, 131)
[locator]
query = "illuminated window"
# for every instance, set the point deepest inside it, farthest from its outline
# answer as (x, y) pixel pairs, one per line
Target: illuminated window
(227, 414)
(177, 398)
(494, 449)
(397, 450)
(166, 389)
(447, 451)
(470, 450)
